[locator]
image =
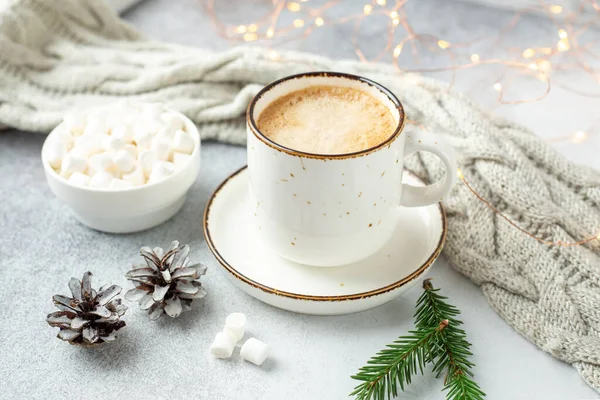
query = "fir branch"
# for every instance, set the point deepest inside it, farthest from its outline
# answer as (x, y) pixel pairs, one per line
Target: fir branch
(438, 339)
(453, 345)
(396, 364)
(431, 308)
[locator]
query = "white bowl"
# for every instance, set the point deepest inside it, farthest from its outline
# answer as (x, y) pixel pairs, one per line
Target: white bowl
(131, 209)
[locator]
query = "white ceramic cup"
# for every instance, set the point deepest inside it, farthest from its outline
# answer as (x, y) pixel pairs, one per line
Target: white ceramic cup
(335, 209)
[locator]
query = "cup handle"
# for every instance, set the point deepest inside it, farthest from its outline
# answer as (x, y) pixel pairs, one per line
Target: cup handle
(417, 196)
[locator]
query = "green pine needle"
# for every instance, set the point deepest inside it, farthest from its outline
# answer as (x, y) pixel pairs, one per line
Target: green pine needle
(437, 340)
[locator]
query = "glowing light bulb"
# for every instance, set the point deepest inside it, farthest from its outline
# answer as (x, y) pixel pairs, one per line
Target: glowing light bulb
(249, 37)
(555, 9)
(252, 28)
(562, 34)
(443, 44)
(240, 29)
(475, 58)
(543, 65)
(563, 45)
(270, 32)
(393, 15)
(367, 9)
(396, 21)
(273, 55)
(381, 2)
(298, 23)
(528, 53)
(293, 7)
(459, 173)
(498, 86)
(532, 66)
(579, 136)
(397, 51)
(319, 21)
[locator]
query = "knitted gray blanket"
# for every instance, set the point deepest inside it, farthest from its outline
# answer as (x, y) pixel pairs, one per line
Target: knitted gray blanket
(58, 55)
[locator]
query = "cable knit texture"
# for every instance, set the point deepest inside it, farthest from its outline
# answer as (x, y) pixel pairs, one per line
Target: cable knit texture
(58, 55)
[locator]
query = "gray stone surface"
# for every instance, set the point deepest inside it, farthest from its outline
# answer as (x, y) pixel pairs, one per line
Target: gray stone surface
(42, 246)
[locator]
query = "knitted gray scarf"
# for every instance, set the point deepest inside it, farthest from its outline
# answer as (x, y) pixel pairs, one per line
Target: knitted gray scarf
(58, 55)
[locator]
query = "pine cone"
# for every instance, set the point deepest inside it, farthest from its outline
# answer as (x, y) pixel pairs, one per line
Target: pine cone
(89, 317)
(166, 284)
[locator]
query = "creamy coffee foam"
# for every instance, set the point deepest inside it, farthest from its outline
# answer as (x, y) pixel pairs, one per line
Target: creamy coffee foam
(327, 120)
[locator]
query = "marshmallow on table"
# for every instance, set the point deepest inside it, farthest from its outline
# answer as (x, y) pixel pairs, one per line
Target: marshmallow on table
(101, 180)
(183, 142)
(254, 351)
(79, 179)
(236, 324)
(124, 161)
(222, 346)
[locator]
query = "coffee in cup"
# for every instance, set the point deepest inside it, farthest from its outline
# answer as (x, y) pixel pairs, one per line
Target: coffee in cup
(327, 120)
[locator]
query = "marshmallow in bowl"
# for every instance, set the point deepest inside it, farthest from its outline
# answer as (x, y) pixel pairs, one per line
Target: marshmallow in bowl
(121, 147)
(57, 150)
(72, 163)
(101, 180)
(79, 179)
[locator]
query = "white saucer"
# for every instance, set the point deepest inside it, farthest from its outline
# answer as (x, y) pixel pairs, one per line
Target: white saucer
(234, 239)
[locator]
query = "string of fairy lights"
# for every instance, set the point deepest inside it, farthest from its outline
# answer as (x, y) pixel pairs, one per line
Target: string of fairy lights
(302, 18)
